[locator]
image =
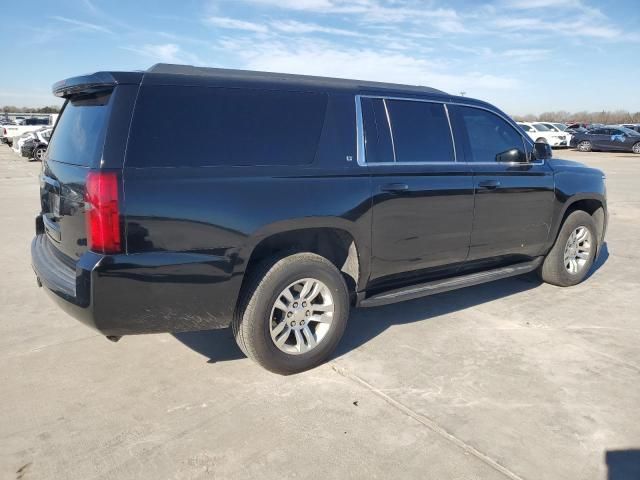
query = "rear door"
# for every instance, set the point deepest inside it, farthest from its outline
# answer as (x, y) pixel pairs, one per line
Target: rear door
(513, 199)
(90, 134)
(422, 198)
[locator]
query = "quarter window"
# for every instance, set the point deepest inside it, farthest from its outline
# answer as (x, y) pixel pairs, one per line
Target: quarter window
(205, 126)
(488, 135)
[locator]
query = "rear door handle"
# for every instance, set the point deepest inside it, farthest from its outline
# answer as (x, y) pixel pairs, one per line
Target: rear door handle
(394, 187)
(489, 184)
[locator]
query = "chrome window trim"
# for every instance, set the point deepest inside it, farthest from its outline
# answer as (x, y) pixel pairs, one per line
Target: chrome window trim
(453, 140)
(360, 147)
(393, 144)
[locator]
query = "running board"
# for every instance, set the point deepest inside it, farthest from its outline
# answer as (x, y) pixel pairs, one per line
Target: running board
(452, 283)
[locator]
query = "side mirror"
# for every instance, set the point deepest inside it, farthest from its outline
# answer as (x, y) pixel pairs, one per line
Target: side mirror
(542, 151)
(515, 155)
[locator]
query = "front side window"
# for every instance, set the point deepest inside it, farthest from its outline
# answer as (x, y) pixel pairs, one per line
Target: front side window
(488, 135)
(406, 131)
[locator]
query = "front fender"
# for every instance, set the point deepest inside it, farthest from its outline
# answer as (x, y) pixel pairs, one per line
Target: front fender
(576, 184)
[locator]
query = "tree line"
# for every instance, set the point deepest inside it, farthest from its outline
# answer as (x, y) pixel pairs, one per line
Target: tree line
(605, 117)
(14, 109)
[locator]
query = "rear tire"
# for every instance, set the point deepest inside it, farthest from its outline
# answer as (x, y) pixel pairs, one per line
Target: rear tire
(573, 253)
(636, 148)
(38, 153)
(584, 146)
(284, 343)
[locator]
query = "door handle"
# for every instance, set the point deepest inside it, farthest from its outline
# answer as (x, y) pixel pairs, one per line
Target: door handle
(394, 187)
(489, 184)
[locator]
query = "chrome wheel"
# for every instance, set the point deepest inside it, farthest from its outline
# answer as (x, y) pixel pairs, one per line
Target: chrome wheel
(584, 146)
(301, 316)
(636, 148)
(577, 250)
(39, 154)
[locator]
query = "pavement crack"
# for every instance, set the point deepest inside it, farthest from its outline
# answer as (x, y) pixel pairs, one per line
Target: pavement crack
(427, 422)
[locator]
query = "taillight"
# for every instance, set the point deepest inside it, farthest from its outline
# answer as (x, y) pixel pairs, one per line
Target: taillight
(4, 131)
(103, 213)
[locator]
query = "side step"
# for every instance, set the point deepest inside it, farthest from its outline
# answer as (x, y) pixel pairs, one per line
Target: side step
(452, 283)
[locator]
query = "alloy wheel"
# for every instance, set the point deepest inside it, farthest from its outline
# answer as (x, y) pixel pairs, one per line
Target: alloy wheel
(577, 250)
(301, 316)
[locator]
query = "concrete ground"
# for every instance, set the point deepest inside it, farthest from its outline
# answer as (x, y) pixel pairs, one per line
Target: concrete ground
(513, 379)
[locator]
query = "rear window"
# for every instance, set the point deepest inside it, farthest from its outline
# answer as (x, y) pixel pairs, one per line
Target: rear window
(206, 126)
(79, 135)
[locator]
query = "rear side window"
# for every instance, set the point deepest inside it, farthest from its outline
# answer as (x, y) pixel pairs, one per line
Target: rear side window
(377, 134)
(206, 126)
(407, 131)
(80, 132)
(487, 134)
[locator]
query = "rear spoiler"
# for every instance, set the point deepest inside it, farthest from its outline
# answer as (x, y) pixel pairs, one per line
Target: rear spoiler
(94, 82)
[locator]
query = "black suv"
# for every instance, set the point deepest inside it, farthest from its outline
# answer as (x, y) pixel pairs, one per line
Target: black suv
(186, 198)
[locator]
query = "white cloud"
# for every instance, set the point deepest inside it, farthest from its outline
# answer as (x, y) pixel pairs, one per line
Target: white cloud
(326, 6)
(314, 58)
(576, 27)
(235, 24)
(82, 25)
(292, 26)
(165, 53)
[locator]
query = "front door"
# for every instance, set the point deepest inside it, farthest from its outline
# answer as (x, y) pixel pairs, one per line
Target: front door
(422, 198)
(514, 193)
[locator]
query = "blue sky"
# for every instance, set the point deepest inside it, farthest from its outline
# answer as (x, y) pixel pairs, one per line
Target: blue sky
(526, 56)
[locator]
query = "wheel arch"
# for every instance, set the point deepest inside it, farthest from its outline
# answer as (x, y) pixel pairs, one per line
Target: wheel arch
(339, 244)
(594, 205)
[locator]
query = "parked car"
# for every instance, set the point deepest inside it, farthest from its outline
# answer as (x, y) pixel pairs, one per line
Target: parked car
(36, 147)
(19, 141)
(609, 138)
(9, 132)
(543, 134)
(560, 128)
(286, 213)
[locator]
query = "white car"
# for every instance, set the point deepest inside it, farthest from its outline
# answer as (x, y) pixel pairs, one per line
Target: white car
(538, 132)
(558, 127)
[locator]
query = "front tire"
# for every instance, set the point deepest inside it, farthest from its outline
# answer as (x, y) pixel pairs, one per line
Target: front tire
(292, 312)
(573, 253)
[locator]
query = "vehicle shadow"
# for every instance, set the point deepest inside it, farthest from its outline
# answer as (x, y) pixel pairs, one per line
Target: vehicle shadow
(216, 345)
(623, 464)
(367, 323)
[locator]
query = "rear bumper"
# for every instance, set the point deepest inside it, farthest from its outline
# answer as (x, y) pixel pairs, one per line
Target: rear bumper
(140, 293)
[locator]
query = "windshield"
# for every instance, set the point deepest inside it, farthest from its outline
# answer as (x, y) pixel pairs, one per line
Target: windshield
(541, 128)
(560, 126)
